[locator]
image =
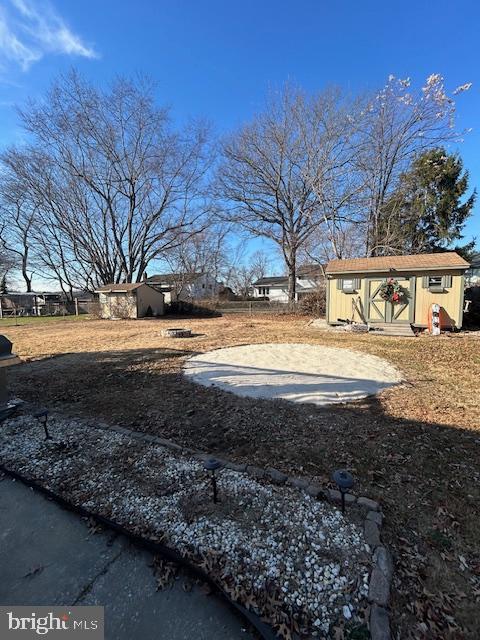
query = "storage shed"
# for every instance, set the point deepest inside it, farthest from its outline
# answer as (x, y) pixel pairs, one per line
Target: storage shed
(357, 288)
(135, 300)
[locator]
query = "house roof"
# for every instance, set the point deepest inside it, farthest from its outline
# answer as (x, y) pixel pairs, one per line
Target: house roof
(271, 281)
(419, 262)
(305, 271)
(173, 278)
(120, 288)
(310, 271)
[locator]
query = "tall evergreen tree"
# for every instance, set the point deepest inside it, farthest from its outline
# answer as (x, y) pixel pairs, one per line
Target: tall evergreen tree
(428, 212)
(3, 285)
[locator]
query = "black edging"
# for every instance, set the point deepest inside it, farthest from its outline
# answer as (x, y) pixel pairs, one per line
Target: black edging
(266, 632)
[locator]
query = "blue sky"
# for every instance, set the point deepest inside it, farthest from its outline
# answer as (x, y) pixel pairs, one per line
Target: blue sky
(218, 59)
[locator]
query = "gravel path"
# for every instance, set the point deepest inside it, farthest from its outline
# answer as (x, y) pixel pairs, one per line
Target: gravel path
(295, 560)
(295, 372)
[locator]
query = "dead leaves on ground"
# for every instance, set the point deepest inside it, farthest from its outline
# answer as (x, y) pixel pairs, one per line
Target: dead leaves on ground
(433, 612)
(94, 526)
(409, 452)
(164, 571)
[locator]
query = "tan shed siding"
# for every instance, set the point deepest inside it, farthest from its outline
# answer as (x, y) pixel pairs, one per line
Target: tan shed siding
(340, 303)
(461, 300)
(149, 297)
(119, 305)
(451, 299)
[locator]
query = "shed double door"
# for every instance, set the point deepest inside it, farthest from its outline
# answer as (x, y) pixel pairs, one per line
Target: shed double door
(379, 310)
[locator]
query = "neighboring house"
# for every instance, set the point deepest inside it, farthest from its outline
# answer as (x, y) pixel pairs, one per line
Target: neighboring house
(275, 288)
(185, 286)
(135, 300)
(34, 303)
(472, 276)
(354, 287)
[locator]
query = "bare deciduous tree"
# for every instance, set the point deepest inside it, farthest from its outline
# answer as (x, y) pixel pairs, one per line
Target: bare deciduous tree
(330, 124)
(334, 241)
(106, 185)
(115, 185)
(397, 125)
(17, 213)
(243, 274)
(290, 174)
(7, 260)
(205, 252)
(264, 179)
(259, 263)
(42, 225)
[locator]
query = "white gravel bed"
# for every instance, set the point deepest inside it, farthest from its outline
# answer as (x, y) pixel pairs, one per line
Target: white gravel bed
(294, 560)
(295, 372)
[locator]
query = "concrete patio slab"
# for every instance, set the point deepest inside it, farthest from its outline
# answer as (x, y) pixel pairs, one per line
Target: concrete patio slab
(48, 556)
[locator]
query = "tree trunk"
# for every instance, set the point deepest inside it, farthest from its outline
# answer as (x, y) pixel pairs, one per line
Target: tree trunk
(26, 277)
(292, 275)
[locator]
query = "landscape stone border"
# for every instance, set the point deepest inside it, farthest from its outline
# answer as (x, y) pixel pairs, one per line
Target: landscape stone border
(382, 570)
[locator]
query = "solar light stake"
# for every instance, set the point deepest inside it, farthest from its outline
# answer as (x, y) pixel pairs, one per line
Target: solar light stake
(42, 417)
(212, 465)
(214, 487)
(344, 481)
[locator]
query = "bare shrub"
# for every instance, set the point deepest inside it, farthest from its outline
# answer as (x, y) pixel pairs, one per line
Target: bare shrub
(202, 308)
(314, 303)
(94, 309)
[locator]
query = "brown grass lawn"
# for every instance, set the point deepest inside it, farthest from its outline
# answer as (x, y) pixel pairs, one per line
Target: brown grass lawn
(416, 448)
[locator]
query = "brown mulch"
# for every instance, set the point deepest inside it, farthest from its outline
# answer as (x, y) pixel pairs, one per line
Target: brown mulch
(415, 448)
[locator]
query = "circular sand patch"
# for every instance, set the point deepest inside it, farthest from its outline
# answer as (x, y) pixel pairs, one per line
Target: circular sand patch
(295, 372)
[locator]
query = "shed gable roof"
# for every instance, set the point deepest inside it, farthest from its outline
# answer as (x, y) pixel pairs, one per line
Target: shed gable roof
(120, 288)
(424, 261)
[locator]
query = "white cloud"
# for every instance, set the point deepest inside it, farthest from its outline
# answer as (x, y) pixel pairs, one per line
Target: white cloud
(12, 49)
(31, 29)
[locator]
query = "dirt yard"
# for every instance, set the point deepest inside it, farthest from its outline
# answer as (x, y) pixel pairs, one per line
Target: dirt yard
(416, 448)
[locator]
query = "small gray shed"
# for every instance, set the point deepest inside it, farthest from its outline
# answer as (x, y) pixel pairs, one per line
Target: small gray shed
(132, 300)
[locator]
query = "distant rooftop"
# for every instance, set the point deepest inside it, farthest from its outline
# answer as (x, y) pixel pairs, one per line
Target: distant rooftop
(173, 278)
(270, 281)
(310, 271)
